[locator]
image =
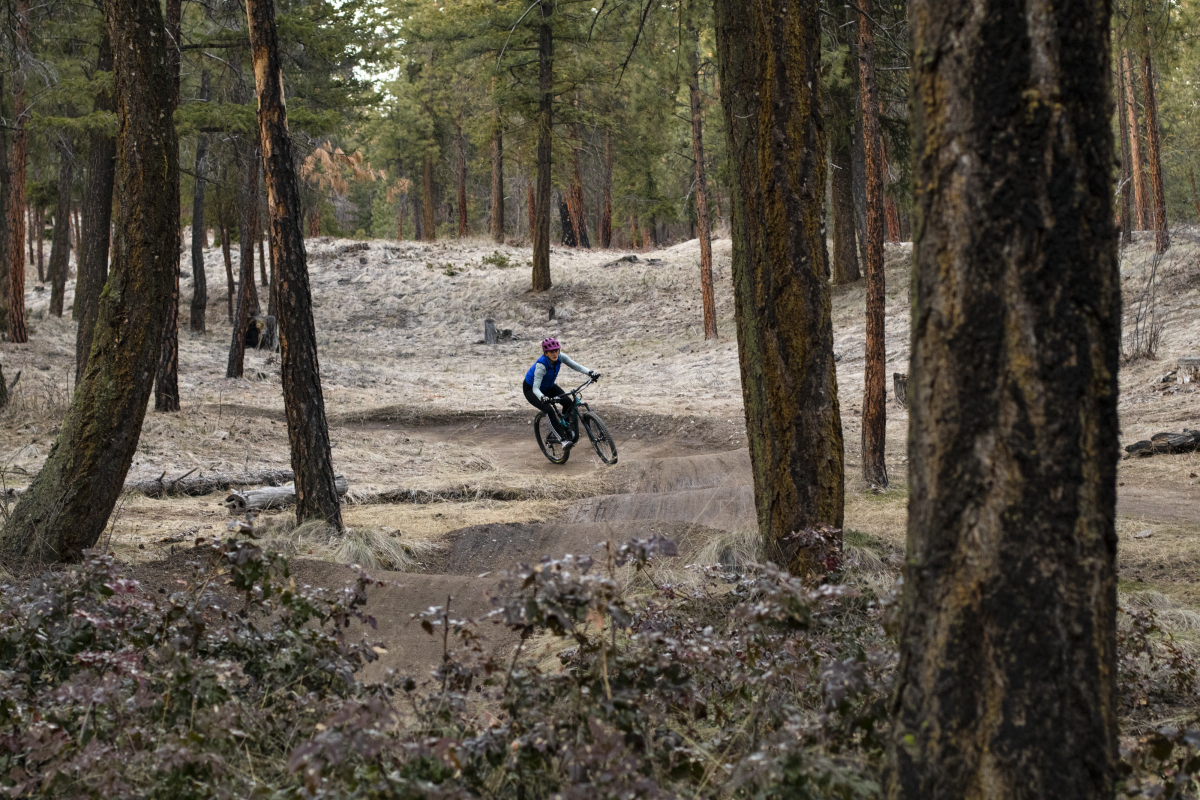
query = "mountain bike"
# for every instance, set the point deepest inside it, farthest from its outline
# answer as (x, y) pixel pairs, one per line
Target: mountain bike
(577, 412)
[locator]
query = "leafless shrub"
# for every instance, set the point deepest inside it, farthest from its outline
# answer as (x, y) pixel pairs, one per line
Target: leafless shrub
(1143, 340)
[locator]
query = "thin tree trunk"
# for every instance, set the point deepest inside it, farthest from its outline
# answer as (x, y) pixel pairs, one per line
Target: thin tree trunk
(17, 202)
(532, 202)
(76, 229)
(780, 276)
(97, 220)
(1126, 170)
(429, 226)
(460, 145)
(30, 227)
(262, 255)
(68, 505)
(705, 229)
(60, 246)
(497, 178)
(575, 207)
(303, 402)
(1008, 656)
(1195, 196)
(400, 201)
(166, 381)
(1141, 196)
(845, 248)
(199, 309)
(540, 224)
(1162, 239)
(247, 305)
(605, 235)
(38, 232)
(874, 414)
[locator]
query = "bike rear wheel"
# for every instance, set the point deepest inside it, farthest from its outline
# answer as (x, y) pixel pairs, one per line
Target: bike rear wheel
(602, 440)
(548, 440)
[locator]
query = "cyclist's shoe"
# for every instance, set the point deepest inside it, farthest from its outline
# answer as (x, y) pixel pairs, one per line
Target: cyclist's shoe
(567, 445)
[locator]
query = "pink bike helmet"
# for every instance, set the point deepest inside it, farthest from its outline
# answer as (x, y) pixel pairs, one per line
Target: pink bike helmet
(550, 344)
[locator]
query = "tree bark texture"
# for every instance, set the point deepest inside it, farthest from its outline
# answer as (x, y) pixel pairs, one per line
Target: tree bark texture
(199, 308)
(67, 506)
(460, 147)
(36, 233)
(60, 246)
(226, 255)
(1162, 239)
(845, 247)
(303, 401)
(604, 236)
(769, 58)
(5, 221)
(166, 381)
(874, 414)
(429, 226)
(704, 233)
(1137, 159)
(575, 205)
(16, 218)
(97, 220)
(540, 223)
(1007, 676)
(247, 305)
(1126, 212)
(497, 178)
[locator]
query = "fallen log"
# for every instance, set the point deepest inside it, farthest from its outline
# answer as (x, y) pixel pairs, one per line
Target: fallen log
(186, 484)
(273, 496)
(451, 494)
(1165, 443)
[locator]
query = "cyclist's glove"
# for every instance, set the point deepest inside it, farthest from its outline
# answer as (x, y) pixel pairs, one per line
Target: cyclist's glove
(595, 376)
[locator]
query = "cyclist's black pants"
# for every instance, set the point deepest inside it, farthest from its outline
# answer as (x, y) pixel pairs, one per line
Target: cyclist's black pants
(552, 413)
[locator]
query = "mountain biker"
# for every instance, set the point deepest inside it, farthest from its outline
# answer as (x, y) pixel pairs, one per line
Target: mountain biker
(542, 392)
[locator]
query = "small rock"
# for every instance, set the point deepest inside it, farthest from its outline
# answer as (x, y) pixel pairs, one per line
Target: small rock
(1146, 534)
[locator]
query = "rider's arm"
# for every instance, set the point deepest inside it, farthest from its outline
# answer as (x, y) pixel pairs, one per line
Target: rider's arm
(539, 372)
(572, 364)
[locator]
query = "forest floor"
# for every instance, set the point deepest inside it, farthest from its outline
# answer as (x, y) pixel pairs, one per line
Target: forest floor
(417, 401)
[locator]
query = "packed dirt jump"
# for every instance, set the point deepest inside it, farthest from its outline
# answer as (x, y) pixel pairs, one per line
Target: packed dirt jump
(447, 486)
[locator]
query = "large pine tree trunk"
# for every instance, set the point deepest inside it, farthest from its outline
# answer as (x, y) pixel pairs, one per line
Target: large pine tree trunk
(199, 308)
(874, 415)
(97, 220)
(1162, 239)
(1137, 160)
(1008, 663)
(539, 224)
(428, 226)
(845, 246)
(605, 234)
(575, 205)
(60, 246)
(303, 402)
(5, 221)
(68, 505)
(702, 223)
(770, 78)
(1126, 212)
(17, 202)
(497, 178)
(166, 381)
(460, 147)
(247, 305)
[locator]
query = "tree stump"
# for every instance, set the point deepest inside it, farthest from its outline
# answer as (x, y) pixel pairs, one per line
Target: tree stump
(489, 331)
(1189, 369)
(900, 388)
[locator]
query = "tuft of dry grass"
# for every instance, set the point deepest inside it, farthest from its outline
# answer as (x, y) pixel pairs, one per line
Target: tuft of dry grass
(368, 547)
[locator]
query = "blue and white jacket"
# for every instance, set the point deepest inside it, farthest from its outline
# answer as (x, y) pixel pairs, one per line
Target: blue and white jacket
(544, 372)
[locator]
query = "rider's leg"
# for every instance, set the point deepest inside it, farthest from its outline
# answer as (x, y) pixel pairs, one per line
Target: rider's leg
(556, 393)
(548, 408)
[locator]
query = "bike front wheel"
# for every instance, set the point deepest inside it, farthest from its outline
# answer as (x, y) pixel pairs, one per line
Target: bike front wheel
(602, 440)
(549, 441)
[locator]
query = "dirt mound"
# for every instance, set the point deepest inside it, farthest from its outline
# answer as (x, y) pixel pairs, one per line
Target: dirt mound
(682, 473)
(482, 549)
(724, 508)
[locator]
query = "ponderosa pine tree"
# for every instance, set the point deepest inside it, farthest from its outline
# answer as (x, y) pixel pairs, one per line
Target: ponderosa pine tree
(68, 505)
(769, 59)
(17, 200)
(497, 218)
(703, 227)
(166, 381)
(1008, 655)
(199, 307)
(60, 245)
(304, 403)
(1141, 194)
(874, 412)
(539, 221)
(1162, 239)
(1126, 190)
(92, 270)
